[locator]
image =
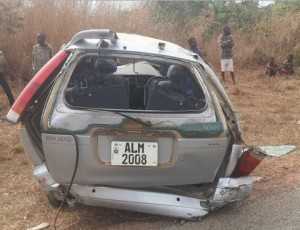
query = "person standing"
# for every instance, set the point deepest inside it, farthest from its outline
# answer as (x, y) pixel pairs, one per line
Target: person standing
(271, 68)
(41, 53)
(194, 46)
(3, 82)
(288, 66)
(226, 45)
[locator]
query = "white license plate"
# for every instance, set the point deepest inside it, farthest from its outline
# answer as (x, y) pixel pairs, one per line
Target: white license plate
(128, 153)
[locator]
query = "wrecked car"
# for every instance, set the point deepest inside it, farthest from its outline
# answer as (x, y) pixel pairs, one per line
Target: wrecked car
(136, 123)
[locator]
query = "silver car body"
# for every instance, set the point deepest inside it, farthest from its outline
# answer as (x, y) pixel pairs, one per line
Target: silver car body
(196, 151)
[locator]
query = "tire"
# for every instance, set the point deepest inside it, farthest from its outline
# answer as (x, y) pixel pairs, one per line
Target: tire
(53, 200)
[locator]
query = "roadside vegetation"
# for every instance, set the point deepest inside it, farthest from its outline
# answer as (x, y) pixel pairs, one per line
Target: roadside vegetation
(260, 32)
(268, 107)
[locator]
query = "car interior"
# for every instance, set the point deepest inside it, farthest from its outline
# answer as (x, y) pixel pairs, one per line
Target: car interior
(131, 84)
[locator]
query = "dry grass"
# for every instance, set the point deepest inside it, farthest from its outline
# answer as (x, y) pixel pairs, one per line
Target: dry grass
(61, 19)
(268, 109)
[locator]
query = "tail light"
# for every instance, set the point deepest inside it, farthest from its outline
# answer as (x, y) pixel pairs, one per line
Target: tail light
(32, 87)
(250, 159)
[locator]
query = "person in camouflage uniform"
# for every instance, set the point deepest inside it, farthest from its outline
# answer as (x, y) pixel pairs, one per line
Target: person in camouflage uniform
(226, 45)
(3, 83)
(41, 53)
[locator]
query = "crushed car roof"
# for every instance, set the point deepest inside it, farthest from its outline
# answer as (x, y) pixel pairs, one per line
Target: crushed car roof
(123, 42)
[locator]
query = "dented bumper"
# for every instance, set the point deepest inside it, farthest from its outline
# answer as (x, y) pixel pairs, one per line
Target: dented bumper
(142, 201)
(228, 190)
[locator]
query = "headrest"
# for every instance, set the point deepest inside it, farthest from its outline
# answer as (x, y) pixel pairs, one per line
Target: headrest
(177, 73)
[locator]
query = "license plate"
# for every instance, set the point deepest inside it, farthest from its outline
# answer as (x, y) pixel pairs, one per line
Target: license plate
(127, 153)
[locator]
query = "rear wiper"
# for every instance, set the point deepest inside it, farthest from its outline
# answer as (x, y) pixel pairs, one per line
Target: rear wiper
(137, 120)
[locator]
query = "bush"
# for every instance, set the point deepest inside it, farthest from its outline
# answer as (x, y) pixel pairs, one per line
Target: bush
(297, 55)
(260, 57)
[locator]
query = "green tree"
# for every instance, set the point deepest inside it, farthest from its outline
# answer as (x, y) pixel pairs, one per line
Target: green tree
(286, 6)
(241, 15)
(180, 13)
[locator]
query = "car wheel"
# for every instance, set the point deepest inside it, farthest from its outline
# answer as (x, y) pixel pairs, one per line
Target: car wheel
(53, 200)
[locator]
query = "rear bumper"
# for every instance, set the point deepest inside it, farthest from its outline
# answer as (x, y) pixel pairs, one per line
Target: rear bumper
(228, 190)
(141, 201)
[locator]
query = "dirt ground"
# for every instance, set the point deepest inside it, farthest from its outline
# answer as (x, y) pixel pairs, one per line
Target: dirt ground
(269, 112)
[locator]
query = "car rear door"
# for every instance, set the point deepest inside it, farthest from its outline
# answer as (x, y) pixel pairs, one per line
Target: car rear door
(180, 149)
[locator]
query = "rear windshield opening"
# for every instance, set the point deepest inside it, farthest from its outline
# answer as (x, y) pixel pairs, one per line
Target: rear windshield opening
(130, 84)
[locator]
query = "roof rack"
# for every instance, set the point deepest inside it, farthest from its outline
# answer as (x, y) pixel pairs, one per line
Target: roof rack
(95, 34)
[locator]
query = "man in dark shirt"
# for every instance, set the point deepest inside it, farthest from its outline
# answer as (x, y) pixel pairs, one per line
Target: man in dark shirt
(271, 68)
(226, 45)
(194, 46)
